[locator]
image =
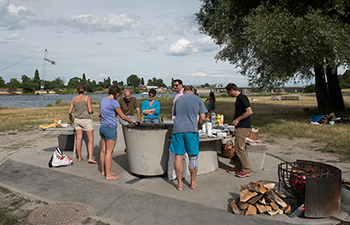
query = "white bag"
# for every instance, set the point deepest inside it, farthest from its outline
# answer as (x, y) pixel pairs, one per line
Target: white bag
(171, 169)
(59, 159)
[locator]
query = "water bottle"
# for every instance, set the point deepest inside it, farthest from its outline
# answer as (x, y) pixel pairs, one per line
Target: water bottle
(213, 118)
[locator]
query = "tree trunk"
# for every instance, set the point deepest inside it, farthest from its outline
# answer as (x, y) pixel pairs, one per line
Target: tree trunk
(322, 96)
(334, 90)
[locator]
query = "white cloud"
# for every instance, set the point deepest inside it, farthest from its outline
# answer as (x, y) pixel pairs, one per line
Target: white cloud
(89, 23)
(184, 47)
(155, 40)
(103, 75)
(202, 74)
(12, 37)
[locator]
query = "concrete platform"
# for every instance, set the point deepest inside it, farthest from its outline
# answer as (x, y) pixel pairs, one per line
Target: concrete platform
(138, 200)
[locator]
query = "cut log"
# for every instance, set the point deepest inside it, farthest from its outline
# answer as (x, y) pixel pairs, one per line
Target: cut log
(235, 208)
(279, 194)
(281, 202)
(251, 210)
(243, 187)
(261, 208)
(242, 205)
(271, 195)
(274, 205)
(268, 208)
(257, 187)
(272, 212)
(269, 185)
(263, 201)
(263, 182)
(247, 196)
(287, 210)
(255, 199)
(243, 193)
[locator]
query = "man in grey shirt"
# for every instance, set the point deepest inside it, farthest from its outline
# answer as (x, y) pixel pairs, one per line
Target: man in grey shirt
(185, 133)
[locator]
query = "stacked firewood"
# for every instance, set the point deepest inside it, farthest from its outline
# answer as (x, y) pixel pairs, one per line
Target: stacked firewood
(260, 197)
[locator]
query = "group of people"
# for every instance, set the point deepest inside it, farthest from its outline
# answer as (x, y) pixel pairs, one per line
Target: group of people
(189, 113)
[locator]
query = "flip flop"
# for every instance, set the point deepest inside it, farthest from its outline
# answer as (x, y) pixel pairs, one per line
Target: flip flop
(92, 162)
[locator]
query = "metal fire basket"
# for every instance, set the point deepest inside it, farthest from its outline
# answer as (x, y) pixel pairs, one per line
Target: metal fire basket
(318, 185)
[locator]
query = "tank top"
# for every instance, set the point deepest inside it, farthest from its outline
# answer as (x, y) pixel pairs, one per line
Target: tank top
(81, 109)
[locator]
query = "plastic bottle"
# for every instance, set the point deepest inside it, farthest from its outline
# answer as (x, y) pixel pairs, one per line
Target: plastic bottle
(213, 118)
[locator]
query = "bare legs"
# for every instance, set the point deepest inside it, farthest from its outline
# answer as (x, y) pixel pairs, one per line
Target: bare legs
(90, 135)
(193, 173)
(178, 170)
(79, 138)
(107, 148)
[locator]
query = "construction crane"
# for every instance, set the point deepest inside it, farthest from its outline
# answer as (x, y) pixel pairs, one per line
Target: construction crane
(43, 72)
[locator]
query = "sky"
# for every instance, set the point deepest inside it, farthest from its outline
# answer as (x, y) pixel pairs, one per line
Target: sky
(115, 38)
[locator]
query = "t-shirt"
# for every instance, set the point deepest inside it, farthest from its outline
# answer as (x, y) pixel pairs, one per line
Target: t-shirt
(128, 107)
(178, 94)
(108, 113)
(186, 109)
(242, 103)
(155, 105)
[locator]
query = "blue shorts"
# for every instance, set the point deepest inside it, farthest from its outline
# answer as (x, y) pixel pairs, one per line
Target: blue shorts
(181, 141)
(211, 107)
(109, 133)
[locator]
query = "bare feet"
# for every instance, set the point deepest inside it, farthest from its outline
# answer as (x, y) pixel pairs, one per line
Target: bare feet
(103, 174)
(92, 161)
(111, 177)
(178, 187)
(193, 186)
(80, 159)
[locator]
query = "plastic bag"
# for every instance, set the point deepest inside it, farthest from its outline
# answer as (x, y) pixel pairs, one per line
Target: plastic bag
(59, 159)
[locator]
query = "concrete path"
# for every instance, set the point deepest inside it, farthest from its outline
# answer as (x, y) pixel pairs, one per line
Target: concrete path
(137, 200)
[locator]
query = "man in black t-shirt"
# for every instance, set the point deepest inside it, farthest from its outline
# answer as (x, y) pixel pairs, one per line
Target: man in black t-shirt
(242, 128)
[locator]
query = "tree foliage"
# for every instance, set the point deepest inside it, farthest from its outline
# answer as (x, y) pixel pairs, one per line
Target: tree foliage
(133, 80)
(278, 41)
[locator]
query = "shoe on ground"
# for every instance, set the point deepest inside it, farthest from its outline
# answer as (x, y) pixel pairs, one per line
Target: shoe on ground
(233, 170)
(243, 174)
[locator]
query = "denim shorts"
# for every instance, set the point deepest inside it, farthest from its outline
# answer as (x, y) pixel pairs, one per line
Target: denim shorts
(181, 141)
(109, 133)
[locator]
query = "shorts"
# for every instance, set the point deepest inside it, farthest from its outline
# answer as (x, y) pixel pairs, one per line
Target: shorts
(109, 133)
(181, 141)
(84, 124)
(211, 107)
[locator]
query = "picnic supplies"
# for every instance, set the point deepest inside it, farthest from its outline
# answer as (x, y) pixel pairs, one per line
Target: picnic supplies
(59, 159)
(54, 124)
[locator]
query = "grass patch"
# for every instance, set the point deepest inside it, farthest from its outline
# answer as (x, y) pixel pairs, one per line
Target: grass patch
(6, 218)
(275, 118)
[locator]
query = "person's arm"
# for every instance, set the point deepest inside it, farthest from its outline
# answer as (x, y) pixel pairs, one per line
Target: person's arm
(71, 110)
(121, 115)
(156, 109)
(139, 114)
(89, 105)
(201, 120)
(248, 112)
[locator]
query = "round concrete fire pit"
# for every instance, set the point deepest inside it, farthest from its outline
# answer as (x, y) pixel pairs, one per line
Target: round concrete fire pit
(147, 148)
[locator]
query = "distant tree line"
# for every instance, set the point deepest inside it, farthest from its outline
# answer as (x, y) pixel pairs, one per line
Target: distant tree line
(30, 85)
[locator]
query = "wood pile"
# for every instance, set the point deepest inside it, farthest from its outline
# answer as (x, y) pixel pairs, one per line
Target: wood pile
(260, 197)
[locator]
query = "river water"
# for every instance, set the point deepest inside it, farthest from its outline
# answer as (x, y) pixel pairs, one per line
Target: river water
(38, 101)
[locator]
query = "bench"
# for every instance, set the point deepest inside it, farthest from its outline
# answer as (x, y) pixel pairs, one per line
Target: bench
(296, 98)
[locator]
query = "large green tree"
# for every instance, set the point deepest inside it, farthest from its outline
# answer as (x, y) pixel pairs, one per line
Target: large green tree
(277, 41)
(13, 85)
(133, 80)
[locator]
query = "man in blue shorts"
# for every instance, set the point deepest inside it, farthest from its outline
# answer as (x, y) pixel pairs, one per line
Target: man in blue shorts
(185, 133)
